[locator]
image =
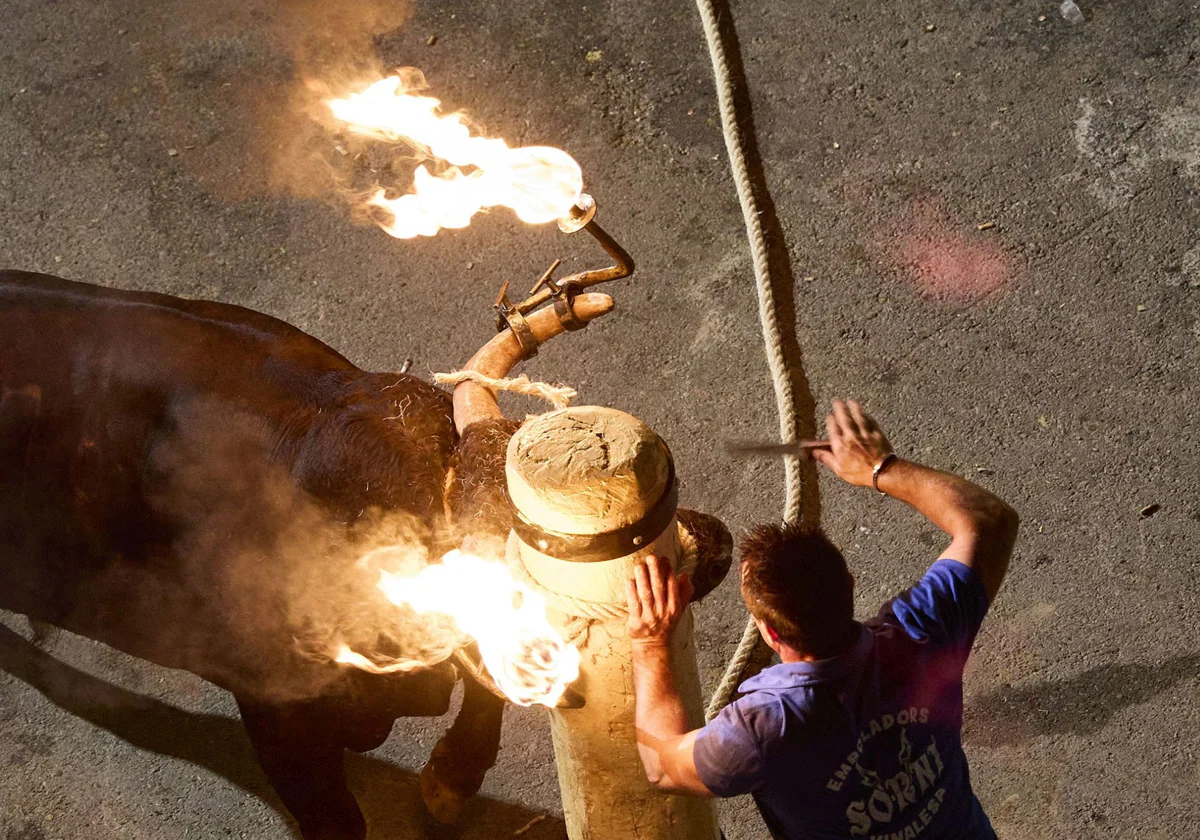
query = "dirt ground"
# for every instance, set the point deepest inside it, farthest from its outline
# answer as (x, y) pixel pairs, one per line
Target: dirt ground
(1050, 355)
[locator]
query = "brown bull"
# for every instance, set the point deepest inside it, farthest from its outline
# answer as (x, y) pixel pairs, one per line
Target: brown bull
(193, 483)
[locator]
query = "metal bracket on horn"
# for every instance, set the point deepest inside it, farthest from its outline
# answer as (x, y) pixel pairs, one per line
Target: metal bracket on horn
(562, 292)
(510, 317)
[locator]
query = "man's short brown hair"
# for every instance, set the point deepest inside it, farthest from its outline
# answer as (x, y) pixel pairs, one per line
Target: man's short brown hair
(797, 583)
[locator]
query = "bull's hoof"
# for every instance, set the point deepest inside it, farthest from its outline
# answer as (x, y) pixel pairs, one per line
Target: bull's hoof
(444, 803)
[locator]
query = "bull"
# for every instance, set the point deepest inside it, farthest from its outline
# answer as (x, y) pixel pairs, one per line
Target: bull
(194, 483)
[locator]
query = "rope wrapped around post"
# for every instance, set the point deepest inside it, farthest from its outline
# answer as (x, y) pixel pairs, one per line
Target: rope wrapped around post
(581, 612)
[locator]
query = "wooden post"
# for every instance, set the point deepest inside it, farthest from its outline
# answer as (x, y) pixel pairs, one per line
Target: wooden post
(587, 471)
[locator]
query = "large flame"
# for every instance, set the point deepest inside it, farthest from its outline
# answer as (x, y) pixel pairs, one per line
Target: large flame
(473, 173)
(526, 656)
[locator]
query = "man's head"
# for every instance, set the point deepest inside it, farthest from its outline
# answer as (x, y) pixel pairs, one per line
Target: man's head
(796, 585)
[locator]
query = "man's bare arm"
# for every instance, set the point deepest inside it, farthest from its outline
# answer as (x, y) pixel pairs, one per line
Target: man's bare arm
(982, 528)
(657, 600)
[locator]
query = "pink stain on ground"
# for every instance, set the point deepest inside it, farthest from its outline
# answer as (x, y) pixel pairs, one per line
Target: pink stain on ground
(946, 262)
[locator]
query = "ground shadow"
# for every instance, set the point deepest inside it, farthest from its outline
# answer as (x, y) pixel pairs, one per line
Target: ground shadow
(388, 796)
(1081, 705)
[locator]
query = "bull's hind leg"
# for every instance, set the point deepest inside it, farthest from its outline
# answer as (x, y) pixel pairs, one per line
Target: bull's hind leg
(304, 760)
(463, 756)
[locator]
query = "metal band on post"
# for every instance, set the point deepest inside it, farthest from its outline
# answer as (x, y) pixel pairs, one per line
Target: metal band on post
(597, 548)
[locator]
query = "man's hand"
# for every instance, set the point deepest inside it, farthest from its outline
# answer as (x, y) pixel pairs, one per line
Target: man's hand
(657, 599)
(856, 444)
(982, 528)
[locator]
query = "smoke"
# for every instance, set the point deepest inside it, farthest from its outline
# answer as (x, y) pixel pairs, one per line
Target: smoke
(243, 79)
(263, 582)
(333, 50)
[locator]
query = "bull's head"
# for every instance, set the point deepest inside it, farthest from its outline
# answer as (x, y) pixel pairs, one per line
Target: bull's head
(476, 495)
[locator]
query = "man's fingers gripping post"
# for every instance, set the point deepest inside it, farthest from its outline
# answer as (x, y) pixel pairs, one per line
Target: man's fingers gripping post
(633, 602)
(641, 576)
(659, 581)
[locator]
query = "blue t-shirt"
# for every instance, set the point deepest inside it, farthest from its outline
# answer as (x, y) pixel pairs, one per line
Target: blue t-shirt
(867, 744)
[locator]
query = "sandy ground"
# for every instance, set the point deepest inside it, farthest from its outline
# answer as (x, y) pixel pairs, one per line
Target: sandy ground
(1052, 357)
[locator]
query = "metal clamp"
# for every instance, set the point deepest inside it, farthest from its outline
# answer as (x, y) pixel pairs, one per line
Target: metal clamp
(560, 293)
(509, 316)
(566, 315)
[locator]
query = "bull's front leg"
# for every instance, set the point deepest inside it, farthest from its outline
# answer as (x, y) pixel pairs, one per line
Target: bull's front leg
(299, 749)
(455, 770)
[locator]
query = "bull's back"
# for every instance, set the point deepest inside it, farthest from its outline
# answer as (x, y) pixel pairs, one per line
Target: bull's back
(69, 329)
(145, 441)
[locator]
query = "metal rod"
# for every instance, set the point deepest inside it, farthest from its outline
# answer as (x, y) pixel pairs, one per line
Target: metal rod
(546, 276)
(622, 268)
(798, 447)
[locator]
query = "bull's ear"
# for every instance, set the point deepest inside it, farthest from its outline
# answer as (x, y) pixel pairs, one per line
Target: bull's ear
(478, 498)
(714, 550)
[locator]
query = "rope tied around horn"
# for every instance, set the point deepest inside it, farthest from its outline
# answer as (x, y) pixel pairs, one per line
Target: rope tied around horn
(559, 396)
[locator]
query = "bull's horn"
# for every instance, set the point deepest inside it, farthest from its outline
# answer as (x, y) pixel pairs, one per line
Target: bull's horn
(472, 401)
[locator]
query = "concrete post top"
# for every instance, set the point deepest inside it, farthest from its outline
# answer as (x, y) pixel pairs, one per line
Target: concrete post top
(586, 469)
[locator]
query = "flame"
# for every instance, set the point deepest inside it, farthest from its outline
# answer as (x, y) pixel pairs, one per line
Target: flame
(539, 183)
(525, 655)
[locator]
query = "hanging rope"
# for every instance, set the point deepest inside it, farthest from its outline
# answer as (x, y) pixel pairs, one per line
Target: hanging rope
(784, 399)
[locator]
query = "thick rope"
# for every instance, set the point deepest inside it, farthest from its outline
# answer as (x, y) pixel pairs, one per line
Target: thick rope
(567, 604)
(559, 396)
(581, 612)
(784, 399)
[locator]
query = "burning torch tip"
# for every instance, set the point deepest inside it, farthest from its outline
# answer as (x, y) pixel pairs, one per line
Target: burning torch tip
(582, 212)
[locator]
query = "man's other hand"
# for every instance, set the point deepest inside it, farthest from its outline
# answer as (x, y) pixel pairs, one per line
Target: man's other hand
(657, 599)
(856, 443)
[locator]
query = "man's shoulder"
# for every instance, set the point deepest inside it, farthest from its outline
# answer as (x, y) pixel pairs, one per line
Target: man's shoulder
(773, 705)
(947, 604)
(792, 696)
(764, 701)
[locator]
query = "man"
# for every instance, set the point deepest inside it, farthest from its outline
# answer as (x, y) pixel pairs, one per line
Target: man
(857, 733)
